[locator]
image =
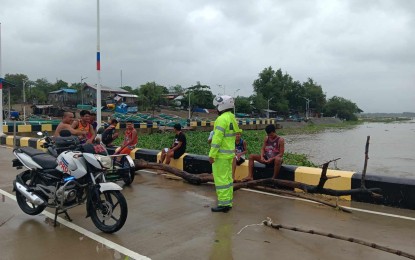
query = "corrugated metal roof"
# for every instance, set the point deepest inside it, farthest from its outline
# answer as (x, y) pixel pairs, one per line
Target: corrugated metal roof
(70, 90)
(108, 89)
(66, 90)
(127, 95)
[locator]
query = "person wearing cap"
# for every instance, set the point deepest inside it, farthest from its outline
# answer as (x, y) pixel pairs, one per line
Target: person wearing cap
(222, 152)
(178, 147)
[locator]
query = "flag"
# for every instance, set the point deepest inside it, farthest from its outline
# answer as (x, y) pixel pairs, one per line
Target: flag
(98, 61)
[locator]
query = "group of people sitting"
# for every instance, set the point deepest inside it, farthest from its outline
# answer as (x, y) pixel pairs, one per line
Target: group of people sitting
(85, 129)
(272, 152)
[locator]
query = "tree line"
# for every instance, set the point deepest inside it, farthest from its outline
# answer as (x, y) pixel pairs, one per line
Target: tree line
(272, 89)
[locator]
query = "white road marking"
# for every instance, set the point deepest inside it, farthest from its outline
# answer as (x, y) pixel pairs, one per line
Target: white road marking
(355, 209)
(87, 233)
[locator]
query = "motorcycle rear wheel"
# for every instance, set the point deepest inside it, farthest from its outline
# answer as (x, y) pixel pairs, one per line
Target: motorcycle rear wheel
(25, 205)
(109, 211)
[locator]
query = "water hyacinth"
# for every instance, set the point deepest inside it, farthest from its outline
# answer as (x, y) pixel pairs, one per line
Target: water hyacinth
(197, 144)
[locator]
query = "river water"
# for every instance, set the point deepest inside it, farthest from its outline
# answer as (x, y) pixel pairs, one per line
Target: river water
(391, 149)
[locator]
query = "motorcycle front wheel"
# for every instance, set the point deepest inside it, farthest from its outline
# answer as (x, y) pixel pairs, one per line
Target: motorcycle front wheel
(25, 205)
(109, 211)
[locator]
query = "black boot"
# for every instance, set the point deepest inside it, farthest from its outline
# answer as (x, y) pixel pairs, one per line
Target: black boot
(223, 209)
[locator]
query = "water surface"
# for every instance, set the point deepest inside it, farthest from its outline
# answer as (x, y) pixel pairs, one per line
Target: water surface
(391, 149)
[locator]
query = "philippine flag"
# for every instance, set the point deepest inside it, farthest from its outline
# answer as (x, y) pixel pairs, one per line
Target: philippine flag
(1, 83)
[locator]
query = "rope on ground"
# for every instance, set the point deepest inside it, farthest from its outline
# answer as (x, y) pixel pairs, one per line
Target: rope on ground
(250, 225)
(269, 223)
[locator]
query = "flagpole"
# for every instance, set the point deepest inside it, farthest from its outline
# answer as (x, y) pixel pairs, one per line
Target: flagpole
(1, 91)
(98, 71)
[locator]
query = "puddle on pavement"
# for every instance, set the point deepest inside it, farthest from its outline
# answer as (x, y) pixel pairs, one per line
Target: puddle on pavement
(51, 222)
(103, 249)
(199, 196)
(100, 248)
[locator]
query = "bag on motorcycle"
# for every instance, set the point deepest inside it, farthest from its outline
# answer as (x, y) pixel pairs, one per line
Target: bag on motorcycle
(66, 143)
(94, 148)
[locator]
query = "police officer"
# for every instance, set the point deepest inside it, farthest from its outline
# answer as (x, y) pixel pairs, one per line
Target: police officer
(222, 151)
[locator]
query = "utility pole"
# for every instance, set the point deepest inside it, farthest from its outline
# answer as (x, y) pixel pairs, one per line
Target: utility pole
(234, 97)
(307, 107)
(188, 93)
(121, 78)
(82, 91)
(268, 106)
(224, 89)
(24, 101)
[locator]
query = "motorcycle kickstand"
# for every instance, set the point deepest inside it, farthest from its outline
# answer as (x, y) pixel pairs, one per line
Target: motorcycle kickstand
(56, 216)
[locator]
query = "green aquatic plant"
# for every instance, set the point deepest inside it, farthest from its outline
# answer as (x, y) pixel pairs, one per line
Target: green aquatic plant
(197, 144)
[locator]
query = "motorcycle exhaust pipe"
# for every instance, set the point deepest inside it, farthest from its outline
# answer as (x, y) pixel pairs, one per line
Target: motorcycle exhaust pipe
(33, 198)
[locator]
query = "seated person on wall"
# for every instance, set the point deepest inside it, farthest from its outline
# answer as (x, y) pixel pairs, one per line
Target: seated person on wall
(178, 147)
(240, 151)
(109, 134)
(66, 124)
(83, 124)
(272, 152)
(130, 139)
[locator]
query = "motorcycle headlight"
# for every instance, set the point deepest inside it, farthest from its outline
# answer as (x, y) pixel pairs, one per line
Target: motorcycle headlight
(105, 161)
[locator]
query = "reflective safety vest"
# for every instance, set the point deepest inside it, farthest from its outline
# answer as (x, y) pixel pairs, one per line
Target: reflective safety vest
(223, 142)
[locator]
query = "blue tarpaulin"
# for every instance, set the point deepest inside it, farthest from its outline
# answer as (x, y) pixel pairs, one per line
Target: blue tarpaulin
(200, 110)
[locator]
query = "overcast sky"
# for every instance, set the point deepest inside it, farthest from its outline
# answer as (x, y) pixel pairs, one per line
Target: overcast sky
(363, 51)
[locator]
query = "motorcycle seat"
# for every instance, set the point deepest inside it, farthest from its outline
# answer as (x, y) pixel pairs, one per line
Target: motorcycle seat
(31, 151)
(45, 160)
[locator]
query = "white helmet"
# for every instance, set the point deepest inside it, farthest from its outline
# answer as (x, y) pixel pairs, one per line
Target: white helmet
(223, 102)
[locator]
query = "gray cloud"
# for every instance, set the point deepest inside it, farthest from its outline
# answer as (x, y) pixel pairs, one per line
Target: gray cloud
(360, 50)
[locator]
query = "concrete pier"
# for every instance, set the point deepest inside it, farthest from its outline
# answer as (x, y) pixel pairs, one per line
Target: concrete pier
(170, 219)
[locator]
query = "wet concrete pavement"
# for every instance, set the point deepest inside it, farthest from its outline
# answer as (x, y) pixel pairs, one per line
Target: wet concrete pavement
(171, 219)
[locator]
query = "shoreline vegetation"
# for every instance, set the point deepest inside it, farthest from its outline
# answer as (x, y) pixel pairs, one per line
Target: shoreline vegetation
(197, 140)
(385, 119)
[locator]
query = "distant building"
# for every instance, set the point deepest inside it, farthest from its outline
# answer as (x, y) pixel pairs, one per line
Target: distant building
(268, 113)
(172, 96)
(89, 94)
(128, 99)
(63, 97)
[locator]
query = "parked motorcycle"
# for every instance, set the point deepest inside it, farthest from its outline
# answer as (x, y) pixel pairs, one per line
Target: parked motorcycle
(71, 179)
(122, 167)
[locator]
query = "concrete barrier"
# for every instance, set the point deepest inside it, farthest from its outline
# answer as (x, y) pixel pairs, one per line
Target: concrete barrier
(397, 192)
(255, 124)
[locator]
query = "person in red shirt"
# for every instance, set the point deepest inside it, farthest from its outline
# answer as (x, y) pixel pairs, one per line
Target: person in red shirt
(130, 139)
(272, 152)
